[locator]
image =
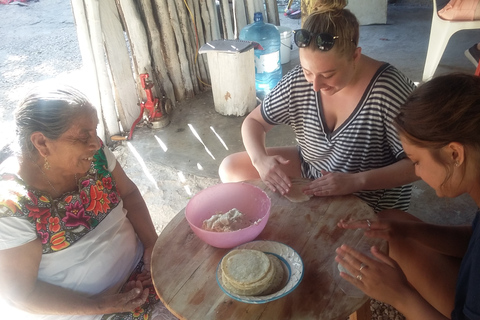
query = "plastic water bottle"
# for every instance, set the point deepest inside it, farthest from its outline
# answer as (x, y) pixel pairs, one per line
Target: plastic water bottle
(268, 67)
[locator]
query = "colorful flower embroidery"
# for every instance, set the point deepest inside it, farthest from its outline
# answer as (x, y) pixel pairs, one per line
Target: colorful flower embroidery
(61, 222)
(59, 241)
(137, 312)
(43, 236)
(99, 201)
(11, 205)
(40, 215)
(84, 197)
(75, 215)
(53, 224)
(107, 183)
(85, 183)
(113, 198)
(32, 197)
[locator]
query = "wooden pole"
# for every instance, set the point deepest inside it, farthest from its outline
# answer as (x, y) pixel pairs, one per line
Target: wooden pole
(89, 69)
(181, 52)
(123, 84)
(160, 74)
(138, 40)
(226, 20)
(212, 11)
(250, 9)
(272, 12)
(171, 57)
(187, 32)
(241, 17)
(109, 113)
(206, 21)
(200, 41)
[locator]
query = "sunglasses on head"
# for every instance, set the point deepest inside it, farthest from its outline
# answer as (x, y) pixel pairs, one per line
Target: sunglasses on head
(324, 41)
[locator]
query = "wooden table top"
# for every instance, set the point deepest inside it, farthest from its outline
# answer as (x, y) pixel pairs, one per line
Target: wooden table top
(183, 266)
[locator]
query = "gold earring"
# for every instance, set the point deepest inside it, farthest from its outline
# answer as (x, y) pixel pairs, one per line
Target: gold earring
(46, 165)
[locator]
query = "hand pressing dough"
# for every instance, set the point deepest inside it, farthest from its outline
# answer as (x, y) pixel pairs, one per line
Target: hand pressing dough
(296, 194)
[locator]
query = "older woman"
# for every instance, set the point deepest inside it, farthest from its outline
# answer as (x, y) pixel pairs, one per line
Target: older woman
(75, 234)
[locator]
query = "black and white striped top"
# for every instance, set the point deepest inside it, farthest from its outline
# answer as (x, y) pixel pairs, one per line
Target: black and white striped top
(365, 141)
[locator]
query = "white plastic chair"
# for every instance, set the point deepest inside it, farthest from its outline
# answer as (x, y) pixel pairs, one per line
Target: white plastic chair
(440, 33)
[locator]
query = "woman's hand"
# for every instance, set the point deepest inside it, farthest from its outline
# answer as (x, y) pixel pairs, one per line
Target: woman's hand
(145, 276)
(271, 173)
(383, 229)
(380, 278)
(333, 184)
(133, 295)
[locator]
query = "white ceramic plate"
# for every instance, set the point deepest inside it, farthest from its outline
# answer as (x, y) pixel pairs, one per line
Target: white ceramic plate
(293, 263)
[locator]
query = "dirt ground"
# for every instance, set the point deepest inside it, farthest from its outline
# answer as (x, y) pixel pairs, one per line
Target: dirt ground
(38, 41)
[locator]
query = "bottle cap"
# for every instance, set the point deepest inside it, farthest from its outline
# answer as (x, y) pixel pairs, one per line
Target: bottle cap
(257, 16)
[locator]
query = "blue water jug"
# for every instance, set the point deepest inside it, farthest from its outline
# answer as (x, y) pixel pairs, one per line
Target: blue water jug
(268, 67)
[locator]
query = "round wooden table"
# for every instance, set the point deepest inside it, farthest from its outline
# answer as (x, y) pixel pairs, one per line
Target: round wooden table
(183, 266)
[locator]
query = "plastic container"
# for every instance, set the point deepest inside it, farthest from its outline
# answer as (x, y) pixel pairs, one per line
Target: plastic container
(268, 67)
(286, 43)
(250, 200)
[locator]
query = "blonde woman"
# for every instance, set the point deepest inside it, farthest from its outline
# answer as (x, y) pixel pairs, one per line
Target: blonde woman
(340, 104)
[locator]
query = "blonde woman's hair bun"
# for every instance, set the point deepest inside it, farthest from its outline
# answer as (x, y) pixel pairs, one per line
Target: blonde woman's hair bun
(324, 6)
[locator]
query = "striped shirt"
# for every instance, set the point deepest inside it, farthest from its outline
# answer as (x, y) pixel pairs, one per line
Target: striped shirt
(366, 140)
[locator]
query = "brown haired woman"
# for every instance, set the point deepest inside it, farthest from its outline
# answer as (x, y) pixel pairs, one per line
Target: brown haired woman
(340, 104)
(432, 271)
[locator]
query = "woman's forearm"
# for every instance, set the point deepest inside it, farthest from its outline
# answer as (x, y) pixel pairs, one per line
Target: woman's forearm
(449, 240)
(46, 298)
(137, 211)
(139, 216)
(394, 175)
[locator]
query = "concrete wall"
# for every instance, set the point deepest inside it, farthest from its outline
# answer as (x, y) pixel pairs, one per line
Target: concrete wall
(369, 11)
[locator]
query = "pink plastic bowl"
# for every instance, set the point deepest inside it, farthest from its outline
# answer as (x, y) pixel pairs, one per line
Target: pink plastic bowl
(248, 199)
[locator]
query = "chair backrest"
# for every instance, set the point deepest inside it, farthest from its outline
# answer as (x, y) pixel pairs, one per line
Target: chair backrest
(435, 10)
(440, 33)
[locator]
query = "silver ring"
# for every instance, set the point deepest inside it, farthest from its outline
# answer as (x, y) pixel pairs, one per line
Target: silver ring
(362, 265)
(359, 277)
(369, 224)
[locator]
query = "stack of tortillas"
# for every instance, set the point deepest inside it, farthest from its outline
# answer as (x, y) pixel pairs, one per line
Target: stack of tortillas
(250, 272)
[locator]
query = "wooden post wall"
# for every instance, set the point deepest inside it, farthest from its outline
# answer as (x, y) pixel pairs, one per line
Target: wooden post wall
(121, 39)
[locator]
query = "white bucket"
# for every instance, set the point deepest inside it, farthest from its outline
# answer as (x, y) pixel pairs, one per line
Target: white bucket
(286, 43)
